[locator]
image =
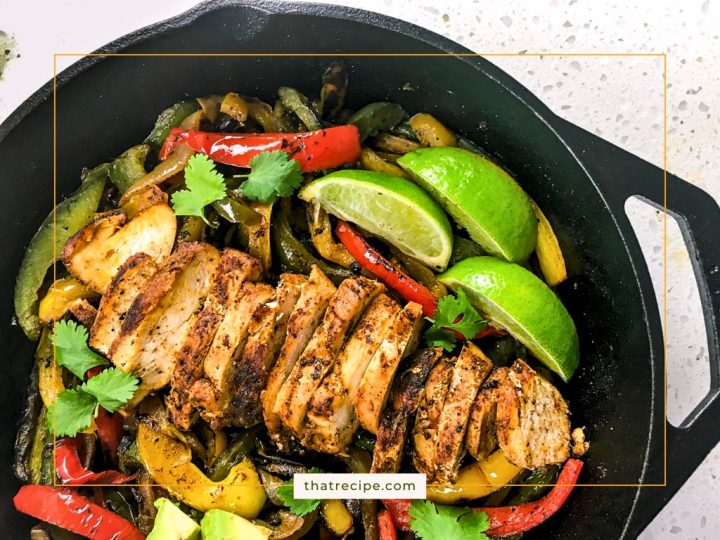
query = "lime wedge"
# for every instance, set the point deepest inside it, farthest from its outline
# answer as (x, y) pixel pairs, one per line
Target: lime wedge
(390, 207)
(480, 196)
(520, 302)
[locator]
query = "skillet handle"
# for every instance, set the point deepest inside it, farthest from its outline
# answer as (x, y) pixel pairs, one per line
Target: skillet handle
(620, 175)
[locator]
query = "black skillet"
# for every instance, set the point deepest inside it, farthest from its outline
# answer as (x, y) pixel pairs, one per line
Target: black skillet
(581, 181)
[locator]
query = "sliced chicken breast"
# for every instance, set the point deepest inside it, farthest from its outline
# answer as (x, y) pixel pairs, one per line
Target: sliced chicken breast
(127, 284)
(159, 319)
(304, 319)
(212, 393)
(96, 252)
(471, 369)
(402, 405)
(432, 399)
(375, 385)
(83, 311)
(481, 436)
(331, 421)
(266, 334)
(533, 427)
(233, 270)
(347, 305)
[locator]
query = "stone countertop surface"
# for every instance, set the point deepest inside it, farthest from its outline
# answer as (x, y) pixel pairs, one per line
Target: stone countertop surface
(618, 98)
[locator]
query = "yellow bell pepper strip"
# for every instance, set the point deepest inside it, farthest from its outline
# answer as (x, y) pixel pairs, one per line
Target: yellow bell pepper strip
(169, 462)
(69, 217)
(336, 517)
(234, 106)
(50, 382)
(430, 132)
(550, 257)
(372, 162)
(476, 480)
(60, 296)
(322, 239)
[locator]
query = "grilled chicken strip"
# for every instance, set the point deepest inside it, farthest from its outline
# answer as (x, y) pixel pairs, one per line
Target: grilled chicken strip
(266, 334)
(375, 384)
(402, 404)
(234, 268)
(159, 319)
(130, 279)
(481, 436)
(331, 421)
(345, 308)
(533, 428)
(212, 393)
(304, 319)
(96, 252)
(83, 311)
(471, 369)
(432, 399)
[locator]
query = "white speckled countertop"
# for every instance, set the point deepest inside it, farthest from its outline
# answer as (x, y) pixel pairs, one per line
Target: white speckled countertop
(619, 99)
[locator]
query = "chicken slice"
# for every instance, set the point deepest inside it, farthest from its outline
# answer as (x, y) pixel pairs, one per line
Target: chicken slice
(471, 369)
(83, 311)
(402, 404)
(266, 334)
(130, 279)
(159, 319)
(96, 252)
(533, 427)
(331, 421)
(234, 268)
(347, 305)
(430, 406)
(375, 385)
(213, 392)
(481, 436)
(304, 319)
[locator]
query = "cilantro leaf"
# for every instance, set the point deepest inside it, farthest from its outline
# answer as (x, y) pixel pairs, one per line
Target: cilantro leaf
(71, 350)
(72, 412)
(454, 314)
(204, 186)
(111, 388)
(299, 507)
(272, 175)
(431, 522)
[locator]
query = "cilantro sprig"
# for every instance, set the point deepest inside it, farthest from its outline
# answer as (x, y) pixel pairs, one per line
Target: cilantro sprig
(72, 351)
(272, 175)
(453, 314)
(299, 507)
(204, 186)
(74, 409)
(431, 522)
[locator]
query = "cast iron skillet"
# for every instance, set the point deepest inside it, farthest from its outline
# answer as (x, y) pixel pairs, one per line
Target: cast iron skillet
(581, 182)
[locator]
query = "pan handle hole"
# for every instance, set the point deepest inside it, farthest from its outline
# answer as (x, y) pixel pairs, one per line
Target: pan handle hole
(688, 363)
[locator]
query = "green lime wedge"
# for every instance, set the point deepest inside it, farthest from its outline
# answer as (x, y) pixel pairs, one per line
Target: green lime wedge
(520, 302)
(480, 196)
(387, 206)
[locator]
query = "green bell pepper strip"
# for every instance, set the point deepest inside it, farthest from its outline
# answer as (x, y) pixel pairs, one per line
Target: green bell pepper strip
(46, 246)
(168, 119)
(232, 455)
(129, 167)
(540, 481)
(374, 117)
(299, 105)
(292, 254)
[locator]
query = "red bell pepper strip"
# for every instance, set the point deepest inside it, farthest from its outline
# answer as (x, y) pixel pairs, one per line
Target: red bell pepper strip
(313, 150)
(508, 520)
(70, 470)
(68, 510)
(385, 526)
(379, 266)
(109, 431)
(367, 257)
